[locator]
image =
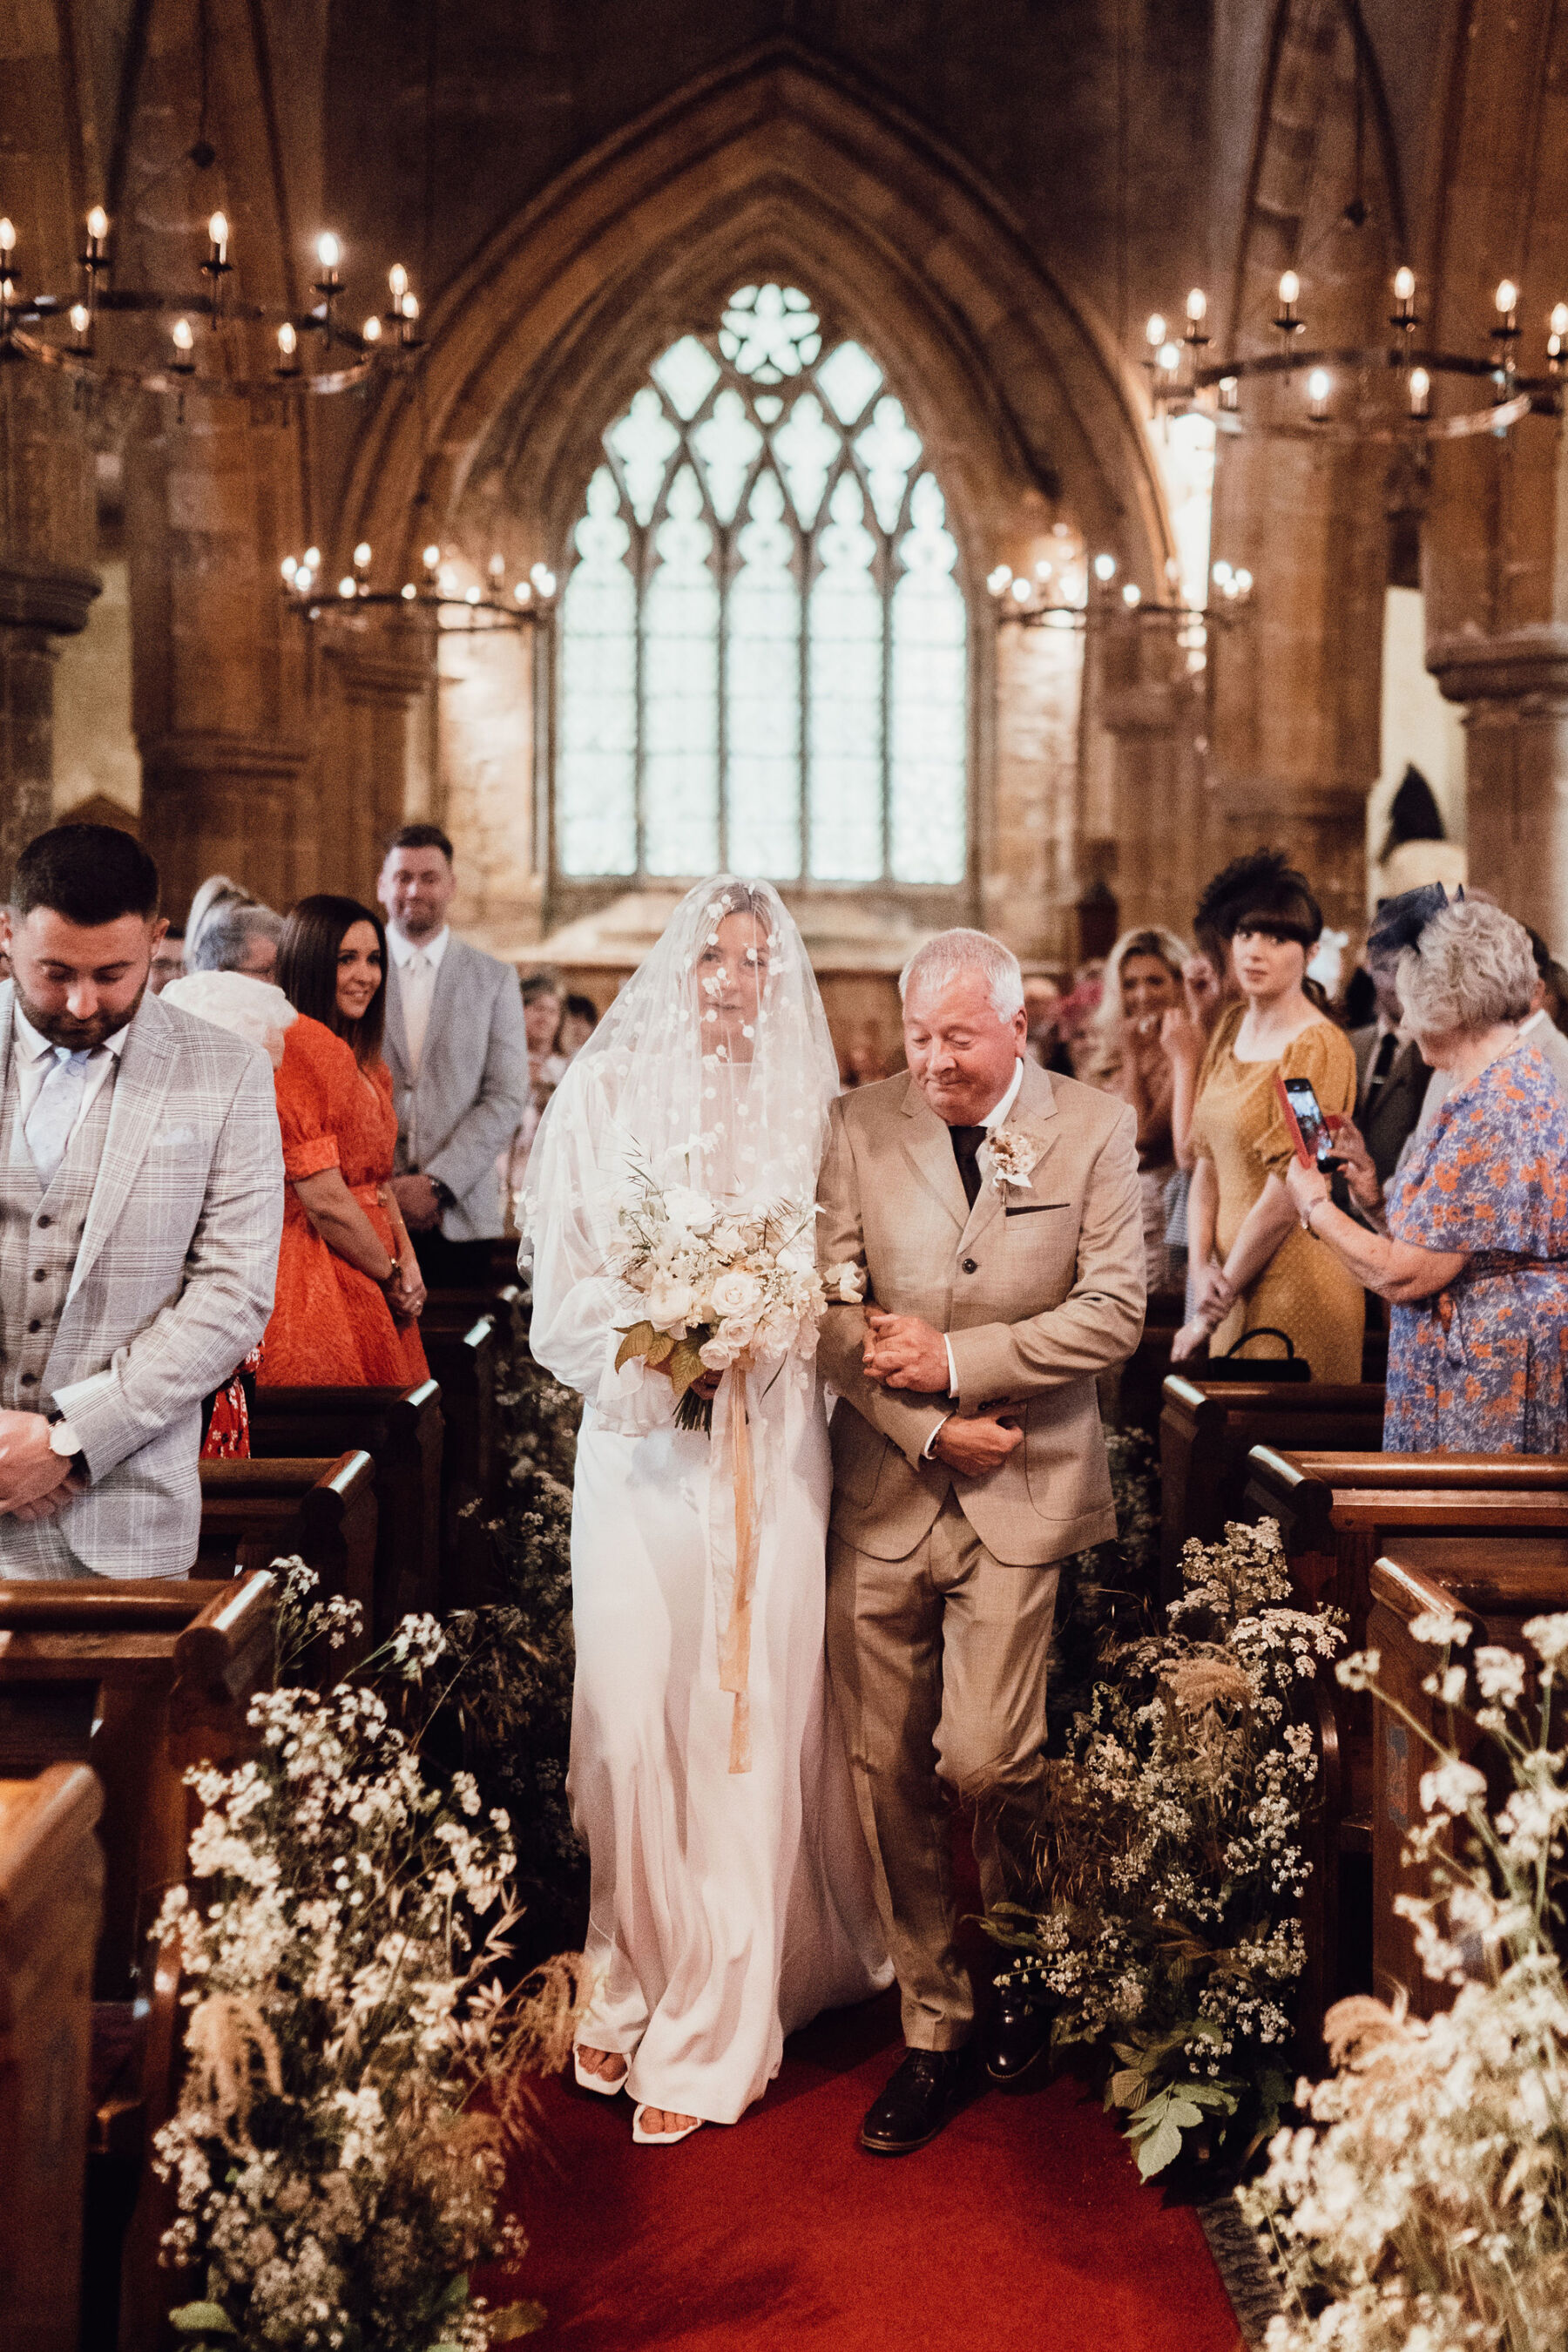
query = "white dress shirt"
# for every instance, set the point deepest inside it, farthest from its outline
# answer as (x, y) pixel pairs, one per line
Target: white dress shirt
(32, 1057)
(417, 965)
(993, 1118)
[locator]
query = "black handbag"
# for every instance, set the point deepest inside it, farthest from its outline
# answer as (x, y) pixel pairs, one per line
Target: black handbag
(1234, 1366)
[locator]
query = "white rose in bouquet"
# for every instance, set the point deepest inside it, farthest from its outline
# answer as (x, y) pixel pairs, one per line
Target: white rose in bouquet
(721, 1350)
(735, 1292)
(846, 1282)
(693, 1212)
(672, 1304)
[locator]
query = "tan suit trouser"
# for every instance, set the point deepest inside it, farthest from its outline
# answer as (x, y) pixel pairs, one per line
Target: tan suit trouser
(939, 1664)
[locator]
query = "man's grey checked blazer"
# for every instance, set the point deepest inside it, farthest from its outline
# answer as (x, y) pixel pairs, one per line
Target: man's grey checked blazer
(456, 1122)
(172, 1285)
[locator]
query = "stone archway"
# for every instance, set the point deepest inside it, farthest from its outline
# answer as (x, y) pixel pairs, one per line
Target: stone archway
(775, 169)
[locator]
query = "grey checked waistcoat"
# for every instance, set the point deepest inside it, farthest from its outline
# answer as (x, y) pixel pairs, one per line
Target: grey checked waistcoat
(40, 1232)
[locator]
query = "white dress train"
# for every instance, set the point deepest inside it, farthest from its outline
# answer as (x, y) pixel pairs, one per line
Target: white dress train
(727, 1907)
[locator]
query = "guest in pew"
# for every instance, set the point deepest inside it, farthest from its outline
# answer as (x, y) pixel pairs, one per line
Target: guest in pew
(349, 1286)
(1208, 986)
(168, 961)
(1253, 1267)
(579, 1019)
(1390, 1073)
(1473, 1260)
(459, 1057)
(238, 935)
(1143, 984)
(543, 1006)
(140, 1198)
(1539, 1026)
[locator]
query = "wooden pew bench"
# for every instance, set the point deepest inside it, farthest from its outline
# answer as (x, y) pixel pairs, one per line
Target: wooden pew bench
(139, 1680)
(403, 1431)
(1208, 1428)
(51, 1884)
(1497, 1588)
(1337, 1513)
(324, 1509)
(465, 1355)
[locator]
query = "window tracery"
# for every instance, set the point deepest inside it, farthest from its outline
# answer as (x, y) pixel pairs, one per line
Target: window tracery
(764, 651)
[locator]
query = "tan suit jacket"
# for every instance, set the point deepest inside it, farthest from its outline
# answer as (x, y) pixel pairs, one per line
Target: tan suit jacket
(1038, 1295)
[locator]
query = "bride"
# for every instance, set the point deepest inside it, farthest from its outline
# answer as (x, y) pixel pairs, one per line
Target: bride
(731, 1895)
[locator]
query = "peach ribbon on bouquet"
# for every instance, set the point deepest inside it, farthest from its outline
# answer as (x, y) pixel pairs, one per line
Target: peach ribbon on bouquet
(735, 1538)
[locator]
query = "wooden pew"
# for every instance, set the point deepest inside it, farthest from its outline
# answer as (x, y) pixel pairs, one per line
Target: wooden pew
(138, 1679)
(1337, 1513)
(1207, 1428)
(51, 1882)
(466, 1358)
(403, 1431)
(325, 1510)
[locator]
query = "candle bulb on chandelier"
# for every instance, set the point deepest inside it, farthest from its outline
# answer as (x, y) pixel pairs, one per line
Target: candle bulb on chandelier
(1557, 341)
(361, 558)
(372, 332)
(183, 341)
(1319, 383)
(1420, 391)
(1507, 301)
(217, 233)
(1154, 332)
(432, 560)
(1404, 315)
(97, 232)
(1197, 311)
(288, 349)
(329, 251)
(81, 324)
(397, 281)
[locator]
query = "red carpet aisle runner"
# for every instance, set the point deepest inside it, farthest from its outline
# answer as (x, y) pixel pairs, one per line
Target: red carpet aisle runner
(1024, 2226)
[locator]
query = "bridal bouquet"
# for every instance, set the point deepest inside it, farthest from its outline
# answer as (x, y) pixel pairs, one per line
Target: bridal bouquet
(724, 1287)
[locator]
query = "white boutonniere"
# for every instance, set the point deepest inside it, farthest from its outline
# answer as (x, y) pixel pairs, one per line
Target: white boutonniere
(1012, 1152)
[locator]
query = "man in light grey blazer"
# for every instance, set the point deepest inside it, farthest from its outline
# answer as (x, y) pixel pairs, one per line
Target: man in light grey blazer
(141, 1207)
(458, 1056)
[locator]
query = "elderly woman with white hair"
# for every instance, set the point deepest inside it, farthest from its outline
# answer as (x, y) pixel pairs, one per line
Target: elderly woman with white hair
(1474, 1262)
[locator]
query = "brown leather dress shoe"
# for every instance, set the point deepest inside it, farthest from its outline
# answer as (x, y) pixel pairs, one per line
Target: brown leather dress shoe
(918, 2101)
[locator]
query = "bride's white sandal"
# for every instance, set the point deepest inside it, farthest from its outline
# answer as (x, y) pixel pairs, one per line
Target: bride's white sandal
(599, 2083)
(658, 2139)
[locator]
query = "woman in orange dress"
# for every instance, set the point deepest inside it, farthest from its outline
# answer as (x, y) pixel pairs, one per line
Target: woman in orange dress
(349, 1287)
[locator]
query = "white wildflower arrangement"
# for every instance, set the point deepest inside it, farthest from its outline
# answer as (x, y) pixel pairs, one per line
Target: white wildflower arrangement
(1167, 1933)
(1424, 2205)
(724, 1287)
(344, 1946)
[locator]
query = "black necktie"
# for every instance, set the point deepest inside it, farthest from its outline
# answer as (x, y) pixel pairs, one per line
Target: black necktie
(1377, 1076)
(966, 1143)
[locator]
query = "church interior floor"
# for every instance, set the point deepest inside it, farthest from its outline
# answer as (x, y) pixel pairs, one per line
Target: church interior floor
(1024, 2222)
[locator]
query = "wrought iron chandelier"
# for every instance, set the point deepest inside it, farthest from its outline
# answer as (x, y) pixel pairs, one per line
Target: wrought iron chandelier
(470, 611)
(1385, 392)
(315, 352)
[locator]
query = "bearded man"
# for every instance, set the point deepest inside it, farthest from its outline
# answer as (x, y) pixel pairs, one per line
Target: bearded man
(141, 1206)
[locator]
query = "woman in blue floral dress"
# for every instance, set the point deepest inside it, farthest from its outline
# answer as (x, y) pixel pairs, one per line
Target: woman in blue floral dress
(1473, 1260)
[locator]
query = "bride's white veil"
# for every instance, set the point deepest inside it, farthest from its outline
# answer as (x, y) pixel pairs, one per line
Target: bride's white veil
(655, 1087)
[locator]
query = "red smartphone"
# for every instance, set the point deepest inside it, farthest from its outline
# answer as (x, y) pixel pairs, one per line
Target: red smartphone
(1311, 1126)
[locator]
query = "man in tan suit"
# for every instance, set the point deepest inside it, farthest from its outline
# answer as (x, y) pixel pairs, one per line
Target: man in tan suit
(995, 1207)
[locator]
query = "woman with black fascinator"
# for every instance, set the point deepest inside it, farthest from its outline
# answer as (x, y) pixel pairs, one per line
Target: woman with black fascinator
(1253, 1267)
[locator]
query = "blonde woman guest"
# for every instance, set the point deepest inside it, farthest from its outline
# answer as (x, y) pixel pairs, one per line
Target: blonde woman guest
(1252, 1265)
(1143, 987)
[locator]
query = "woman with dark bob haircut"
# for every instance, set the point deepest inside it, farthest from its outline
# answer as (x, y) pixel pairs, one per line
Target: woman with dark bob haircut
(1253, 1267)
(348, 1289)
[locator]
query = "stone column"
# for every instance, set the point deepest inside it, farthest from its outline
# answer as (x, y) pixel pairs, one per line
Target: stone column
(219, 663)
(1515, 688)
(1147, 711)
(48, 530)
(377, 676)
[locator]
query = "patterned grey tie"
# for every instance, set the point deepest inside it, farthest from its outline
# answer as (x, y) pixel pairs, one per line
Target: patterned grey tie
(56, 1106)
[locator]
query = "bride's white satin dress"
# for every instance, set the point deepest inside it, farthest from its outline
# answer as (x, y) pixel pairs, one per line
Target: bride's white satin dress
(727, 1908)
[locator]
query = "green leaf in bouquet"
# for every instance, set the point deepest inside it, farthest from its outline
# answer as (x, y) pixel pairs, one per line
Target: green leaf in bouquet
(661, 1348)
(686, 1365)
(203, 2319)
(1128, 2088)
(638, 1341)
(1162, 2147)
(517, 2320)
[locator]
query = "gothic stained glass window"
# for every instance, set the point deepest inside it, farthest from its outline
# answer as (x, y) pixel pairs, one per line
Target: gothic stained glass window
(765, 646)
